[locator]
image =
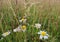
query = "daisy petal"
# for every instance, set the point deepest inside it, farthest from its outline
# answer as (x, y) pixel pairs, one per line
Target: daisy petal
(6, 33)
(45, 37)
(24, 30)
(38, 32)
(41, 37)
(37, 25)
(20, 20)
(16, 30)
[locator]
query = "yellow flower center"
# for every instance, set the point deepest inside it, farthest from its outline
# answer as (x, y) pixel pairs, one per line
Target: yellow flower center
(22, 19)
(23, 27)
(43, 33)
(6, 33)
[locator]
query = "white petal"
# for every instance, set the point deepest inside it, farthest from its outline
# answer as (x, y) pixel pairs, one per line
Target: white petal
(38, 32)
(1, 38)
(41, 37)
(14, 30)
(9, 32)
(45, 37)
(20, 20)
(25, 19)
(4, 34)
(24, 30)
(17, 29)
(37, 25)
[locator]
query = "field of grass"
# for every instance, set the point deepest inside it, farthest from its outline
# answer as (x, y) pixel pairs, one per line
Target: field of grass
(45, 13)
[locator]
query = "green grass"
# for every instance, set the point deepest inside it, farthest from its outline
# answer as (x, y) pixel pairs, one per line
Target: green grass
(47, 16)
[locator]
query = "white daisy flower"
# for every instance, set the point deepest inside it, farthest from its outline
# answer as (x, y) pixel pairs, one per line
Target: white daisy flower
(23, 28)
(6, 34)
(17, 29)
(43, 35)
(37, 25)
(23, 20)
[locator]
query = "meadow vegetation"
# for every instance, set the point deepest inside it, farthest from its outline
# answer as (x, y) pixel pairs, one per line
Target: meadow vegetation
(46, 13)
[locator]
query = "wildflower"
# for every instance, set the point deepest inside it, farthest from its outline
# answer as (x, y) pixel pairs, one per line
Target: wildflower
(6, 33)
(23, 20)
(17, 29)
(23, 28)
(37, 25)
(43, 35)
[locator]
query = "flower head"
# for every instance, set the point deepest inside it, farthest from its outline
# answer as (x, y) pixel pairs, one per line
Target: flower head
(23, 28)
(6, 33)
(43, 35)
(37, 25)
(23, 20)
(17, 29)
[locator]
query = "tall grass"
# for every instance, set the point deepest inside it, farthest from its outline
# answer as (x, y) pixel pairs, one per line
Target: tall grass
(45, 13)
